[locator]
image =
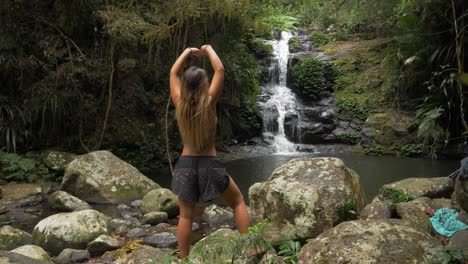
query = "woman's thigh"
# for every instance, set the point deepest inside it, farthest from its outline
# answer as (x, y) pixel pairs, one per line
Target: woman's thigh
(232, 196)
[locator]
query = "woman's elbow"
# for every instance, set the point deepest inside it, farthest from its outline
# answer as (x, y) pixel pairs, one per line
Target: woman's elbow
(220, 69)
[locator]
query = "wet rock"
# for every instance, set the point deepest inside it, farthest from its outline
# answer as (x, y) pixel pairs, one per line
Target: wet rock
(217, 216)
(34, 252)
(413, 212)
(57, 160)
(371, 241)
(154, 218)
(136, 232)
(163, 226)
(144, 254)
(126, 211)
(164, 239)
(270, 117)
(460, 195)
(22, 194)
(11, 238)
(63, 201)
(290, 126)
(70, 230)
(101, 177)
(7, 257)
(420, 187)
(302, 198)
(102, 244)
(378, 210)
(69, 255)
(18, 216)
(160, 200)
(121, 226)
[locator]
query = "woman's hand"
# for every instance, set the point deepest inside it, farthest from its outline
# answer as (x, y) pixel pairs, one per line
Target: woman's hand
(195, 52)
(203, 49)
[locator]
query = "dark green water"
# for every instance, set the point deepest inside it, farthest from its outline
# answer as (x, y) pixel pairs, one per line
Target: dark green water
(374, 171)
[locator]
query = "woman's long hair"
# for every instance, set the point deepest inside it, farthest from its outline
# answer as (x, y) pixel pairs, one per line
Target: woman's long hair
(195, 115)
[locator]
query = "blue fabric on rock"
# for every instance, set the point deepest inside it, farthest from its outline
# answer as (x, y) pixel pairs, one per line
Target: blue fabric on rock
(445, 222)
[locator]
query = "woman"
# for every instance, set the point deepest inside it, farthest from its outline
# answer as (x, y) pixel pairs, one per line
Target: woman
(199, 176)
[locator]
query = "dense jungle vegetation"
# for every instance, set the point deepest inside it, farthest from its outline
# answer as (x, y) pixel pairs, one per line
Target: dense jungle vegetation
(87, 75)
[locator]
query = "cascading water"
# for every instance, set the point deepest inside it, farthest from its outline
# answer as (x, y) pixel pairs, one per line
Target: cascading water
(278, 99)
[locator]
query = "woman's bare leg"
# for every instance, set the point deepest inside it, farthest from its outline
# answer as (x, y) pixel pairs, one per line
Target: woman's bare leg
(234, 199)
(184, 227)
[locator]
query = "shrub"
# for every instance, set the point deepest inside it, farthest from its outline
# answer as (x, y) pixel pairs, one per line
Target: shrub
(295, 45)
(411, 150)
(319, 39)
(347, 212)
(290, 251)
(356, 109)
(349, 138)
(396, 196)
(17, 168)
(259, 48)
(312, 78)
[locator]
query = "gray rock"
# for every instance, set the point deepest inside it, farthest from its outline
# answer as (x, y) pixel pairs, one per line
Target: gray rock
(144, 254)
(11, 238)
(136, 232)
(136, 204)
(57, 160)
(270, 117)
(413, 212)
(460, 195)
(441, 187)
(69, 255)
(163, 225)
(160, 200)
(101, 177)
(70, 230)
(217, 216)
(63, 201)
(378, 210)
(102, 244)
(154, 218)
(371, 241)
(7, 257)
(291, 120)
(164, 239)
(121, 225)
(34, 252)
(302, 198)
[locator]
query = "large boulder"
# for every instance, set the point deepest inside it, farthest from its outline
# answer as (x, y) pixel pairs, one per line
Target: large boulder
(70, 230)
(414, 213)
(101, 177)
(160, 200)
(302, 198)
(371, 241)
(460, 195)
(391, 128)
(378, 210)
(419, 187)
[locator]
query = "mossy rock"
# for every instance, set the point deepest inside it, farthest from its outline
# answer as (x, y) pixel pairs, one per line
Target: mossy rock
(312, 78)
(34, 252)
(370, 241)
(70, 230)
(11, 238)
(160, 200)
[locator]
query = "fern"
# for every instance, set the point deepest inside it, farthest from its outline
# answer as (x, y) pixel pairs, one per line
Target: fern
(290, 250)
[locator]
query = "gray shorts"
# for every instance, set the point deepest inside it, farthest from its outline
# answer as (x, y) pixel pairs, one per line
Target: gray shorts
(199, 179)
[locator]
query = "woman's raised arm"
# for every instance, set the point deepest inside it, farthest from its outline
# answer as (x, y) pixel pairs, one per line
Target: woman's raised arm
(218, 78)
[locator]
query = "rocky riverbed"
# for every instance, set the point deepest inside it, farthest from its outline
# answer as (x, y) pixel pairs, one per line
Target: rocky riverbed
(105, 211)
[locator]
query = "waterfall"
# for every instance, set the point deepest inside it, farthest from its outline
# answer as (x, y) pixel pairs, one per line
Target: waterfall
(277, 99)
